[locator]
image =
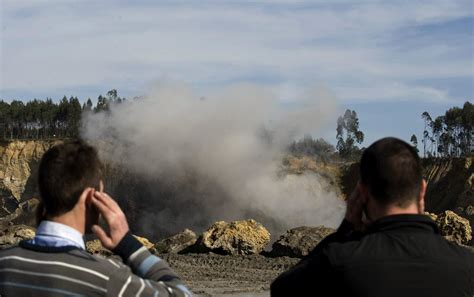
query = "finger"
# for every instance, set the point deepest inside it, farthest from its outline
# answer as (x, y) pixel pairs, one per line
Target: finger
(85, 194)
(90, 197)
(103, 237)
(112, 201)
(104, 200)
(108, 201)
(112, 204)
(105, 211)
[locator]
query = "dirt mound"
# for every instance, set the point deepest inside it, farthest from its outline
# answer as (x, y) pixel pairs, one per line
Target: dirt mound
(298, 242)
(234, 238)
(454, 228)
(176, 243)
(12, 235)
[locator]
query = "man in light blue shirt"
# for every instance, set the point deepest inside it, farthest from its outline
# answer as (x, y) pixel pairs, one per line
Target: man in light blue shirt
(55, 262)
(50, 233)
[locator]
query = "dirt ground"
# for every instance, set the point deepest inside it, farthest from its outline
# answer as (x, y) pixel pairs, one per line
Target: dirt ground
(237, 276)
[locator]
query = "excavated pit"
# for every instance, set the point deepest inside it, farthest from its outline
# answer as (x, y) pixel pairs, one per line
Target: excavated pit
(450, 187)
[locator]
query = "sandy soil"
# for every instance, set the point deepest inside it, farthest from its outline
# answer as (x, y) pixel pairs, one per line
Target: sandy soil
(237, 276)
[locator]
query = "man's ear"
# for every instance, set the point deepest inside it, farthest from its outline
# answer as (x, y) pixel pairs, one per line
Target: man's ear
(86, 196)
(421, 197)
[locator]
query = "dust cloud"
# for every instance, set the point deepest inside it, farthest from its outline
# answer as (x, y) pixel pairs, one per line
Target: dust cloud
(216, 157)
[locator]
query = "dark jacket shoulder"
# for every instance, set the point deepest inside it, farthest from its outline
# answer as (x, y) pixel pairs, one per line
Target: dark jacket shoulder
(401, 255)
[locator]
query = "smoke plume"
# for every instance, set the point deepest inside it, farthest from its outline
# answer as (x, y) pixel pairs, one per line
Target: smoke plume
(202, 159)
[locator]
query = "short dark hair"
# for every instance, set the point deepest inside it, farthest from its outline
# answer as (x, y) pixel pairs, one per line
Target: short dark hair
(391, 169)
(65, 170)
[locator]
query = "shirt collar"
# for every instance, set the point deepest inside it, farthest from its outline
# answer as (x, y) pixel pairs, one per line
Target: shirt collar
(404, 220)
(59, 233)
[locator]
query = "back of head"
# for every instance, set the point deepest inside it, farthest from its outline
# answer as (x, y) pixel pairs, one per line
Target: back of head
(391, 170)
(65, 171)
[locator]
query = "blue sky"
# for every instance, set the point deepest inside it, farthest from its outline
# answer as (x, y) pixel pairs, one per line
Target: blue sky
(388, 60)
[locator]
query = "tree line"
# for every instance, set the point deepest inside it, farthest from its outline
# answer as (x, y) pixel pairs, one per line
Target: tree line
(44, 119)
(448, 135)
(348, 136)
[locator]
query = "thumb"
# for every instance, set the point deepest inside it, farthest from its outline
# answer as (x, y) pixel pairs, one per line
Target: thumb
(103, 237)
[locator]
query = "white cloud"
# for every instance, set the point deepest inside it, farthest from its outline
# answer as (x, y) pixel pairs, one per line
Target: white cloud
(347, 47)
(380, 91)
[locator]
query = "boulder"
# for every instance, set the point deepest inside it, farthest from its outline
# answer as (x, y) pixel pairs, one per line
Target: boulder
(469, 210)
(95, 246)
(454, 227)
(433, 216)
(235, 238)
(146, 243)
(299, 242)
(12, 235)
(24, 214)
(176, 243)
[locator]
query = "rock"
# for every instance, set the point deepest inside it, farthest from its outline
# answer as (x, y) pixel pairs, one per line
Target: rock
(24, 214)
(235, 238)
(176, 243)
(146, 243)
(95, 246)
(469, 210)
(12, 235)
(454, 227)
(298, 242)
(459, 210)
(433, 216)
(17, 161)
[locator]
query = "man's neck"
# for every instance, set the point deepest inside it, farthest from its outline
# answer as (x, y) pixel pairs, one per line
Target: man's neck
(69, 219)
(391, 210)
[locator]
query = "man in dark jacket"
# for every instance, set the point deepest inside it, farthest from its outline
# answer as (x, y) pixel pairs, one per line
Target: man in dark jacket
(385, 246)
(55, 262)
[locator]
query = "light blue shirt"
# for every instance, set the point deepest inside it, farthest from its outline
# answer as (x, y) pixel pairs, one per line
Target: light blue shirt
(57, 235)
